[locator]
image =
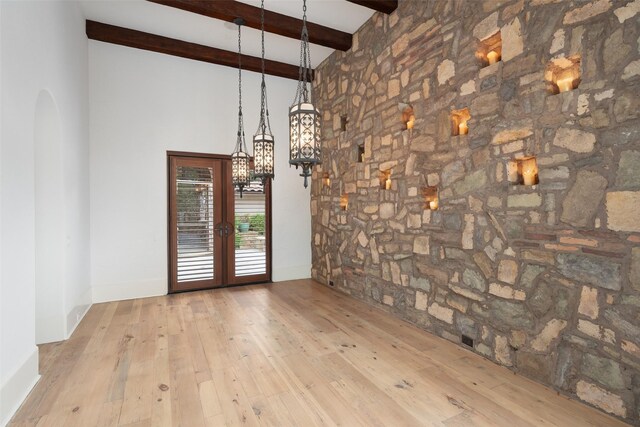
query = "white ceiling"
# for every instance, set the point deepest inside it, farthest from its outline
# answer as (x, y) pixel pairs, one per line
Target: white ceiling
(175, 23)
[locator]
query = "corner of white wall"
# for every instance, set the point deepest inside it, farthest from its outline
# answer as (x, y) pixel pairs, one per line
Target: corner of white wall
(77, 313)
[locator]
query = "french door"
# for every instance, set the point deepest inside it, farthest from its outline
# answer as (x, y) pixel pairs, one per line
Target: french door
(216, 237)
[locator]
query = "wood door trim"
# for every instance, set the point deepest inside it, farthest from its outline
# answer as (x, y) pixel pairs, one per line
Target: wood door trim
(228, 268)
(218, 192)
(198, 155)
(170, 249)
(261, 278)
(228, 248)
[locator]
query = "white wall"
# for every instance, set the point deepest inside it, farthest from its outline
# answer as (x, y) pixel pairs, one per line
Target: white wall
(143, 104)
(43, 47)
(3, 415)
(49, 221)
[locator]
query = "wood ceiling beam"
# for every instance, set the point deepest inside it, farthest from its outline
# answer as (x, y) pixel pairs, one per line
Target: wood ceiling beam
(275, 23)
(154, 43)
(384, 6)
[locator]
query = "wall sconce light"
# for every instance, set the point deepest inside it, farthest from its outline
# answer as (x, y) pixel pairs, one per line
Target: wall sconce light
(385, 179)
(493, 57)
(563, 74)
(344, 202)
(408, 118)
(431, 199)
(459, 120)
(523, 171)
(490, 50)
(326, 180)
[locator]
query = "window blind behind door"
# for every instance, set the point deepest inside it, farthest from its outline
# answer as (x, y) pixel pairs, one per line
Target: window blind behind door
(195, 222)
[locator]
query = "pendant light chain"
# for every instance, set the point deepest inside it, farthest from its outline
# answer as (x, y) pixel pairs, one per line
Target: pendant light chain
(262, 33)
(240, 160)
(263, 140)
(263, 124)
(240, 68)
(241, 141)
(305, 149)
(302, 93)
(307, 64)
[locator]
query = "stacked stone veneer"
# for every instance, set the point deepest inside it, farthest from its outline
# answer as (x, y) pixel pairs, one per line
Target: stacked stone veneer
(545, 279)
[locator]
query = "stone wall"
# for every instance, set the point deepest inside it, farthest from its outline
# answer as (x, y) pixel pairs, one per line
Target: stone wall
(545, 279)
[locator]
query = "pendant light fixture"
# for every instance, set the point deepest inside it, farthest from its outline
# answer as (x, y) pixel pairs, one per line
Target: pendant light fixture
(263, 141)
(240, 160)
(304, 118)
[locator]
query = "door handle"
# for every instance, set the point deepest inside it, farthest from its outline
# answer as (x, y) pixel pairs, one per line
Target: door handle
(228, 229)
(224, 229)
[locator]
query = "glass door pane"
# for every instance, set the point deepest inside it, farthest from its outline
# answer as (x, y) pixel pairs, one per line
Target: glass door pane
(194, 203)
(252, 234)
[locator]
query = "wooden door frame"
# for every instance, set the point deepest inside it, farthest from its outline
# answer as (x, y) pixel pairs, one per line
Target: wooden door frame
(246, 280)
(229, 200)
(172, 238)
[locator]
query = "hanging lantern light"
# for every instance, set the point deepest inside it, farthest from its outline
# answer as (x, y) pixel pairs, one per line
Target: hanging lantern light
(240, 159)
(263, 141)
(304, 118)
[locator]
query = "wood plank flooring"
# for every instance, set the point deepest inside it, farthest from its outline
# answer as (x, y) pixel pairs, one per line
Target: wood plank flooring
(292, 353)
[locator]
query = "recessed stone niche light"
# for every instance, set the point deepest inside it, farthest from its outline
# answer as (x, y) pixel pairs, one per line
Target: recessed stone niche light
(490, 50)
(360, 158)
(563, 74)
(523, 171)
(344, 202)
(343, 123)
(385, 179)
(326, 180)
(459, 120)
(408, 118)
(431, 199)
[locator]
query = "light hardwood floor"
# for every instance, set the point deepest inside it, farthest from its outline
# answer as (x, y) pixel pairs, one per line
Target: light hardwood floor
(292, 353)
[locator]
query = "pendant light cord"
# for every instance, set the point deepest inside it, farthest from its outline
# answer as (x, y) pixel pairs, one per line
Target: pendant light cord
(264, 123)
(262, 31)
(241, 145)
(302, 93)
(239, 77)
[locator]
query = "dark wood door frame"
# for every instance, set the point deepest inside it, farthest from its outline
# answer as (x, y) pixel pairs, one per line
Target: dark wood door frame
(267, 218)
(228, 197)
(217, 166)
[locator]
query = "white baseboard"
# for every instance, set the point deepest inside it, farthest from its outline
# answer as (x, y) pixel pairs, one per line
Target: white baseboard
(291, 273)
(153, 288)
(129, 290)
(17, 387)
(77, 313)
(75, 317)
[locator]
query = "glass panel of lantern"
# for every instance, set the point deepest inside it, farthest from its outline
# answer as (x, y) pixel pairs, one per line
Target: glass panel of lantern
(263, 155)
(240, 169)
(304, 125)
